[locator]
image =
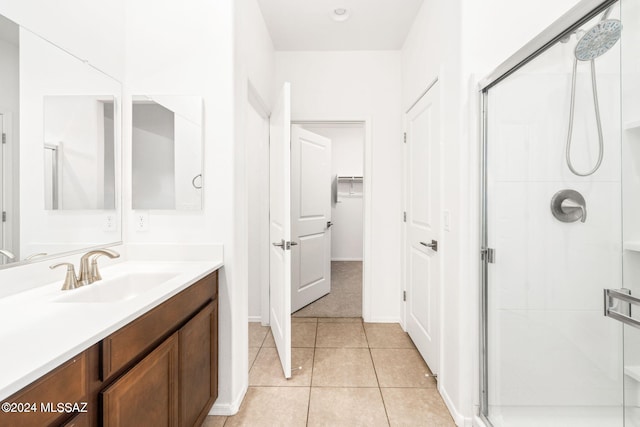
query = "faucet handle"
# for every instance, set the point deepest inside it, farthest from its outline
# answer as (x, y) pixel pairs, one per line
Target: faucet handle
(70, 280)
(94, 270)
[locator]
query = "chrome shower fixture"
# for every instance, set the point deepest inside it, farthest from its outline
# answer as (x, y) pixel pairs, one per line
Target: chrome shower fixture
(595, 42)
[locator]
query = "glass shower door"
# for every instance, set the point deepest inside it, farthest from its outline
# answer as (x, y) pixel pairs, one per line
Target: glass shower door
(630, 67)
(552, 357)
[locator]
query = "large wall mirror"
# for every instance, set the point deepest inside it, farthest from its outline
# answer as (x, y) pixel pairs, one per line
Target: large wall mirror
(167, 152)
(60, 163)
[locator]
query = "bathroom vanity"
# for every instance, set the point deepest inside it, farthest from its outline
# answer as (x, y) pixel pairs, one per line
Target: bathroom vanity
(159, 368)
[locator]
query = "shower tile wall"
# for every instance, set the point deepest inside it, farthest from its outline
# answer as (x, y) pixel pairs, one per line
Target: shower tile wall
(549, 343)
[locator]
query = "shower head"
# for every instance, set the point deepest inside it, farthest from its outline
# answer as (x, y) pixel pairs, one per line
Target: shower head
(598, 40)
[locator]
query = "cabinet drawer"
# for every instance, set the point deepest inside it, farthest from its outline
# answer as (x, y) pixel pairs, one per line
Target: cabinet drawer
(147, 395)
(131, 342)
(66, 384)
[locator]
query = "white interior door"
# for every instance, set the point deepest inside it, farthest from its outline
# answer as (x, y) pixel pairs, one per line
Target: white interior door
(310, 216)
(423, 226)
(280, 226)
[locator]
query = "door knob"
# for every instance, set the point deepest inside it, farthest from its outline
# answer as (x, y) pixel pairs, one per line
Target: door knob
(280, 245)
(329, 224)
(433, 245)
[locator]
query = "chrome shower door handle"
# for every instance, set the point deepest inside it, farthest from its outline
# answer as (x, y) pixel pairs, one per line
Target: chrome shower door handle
(617, 305)
(433, 245)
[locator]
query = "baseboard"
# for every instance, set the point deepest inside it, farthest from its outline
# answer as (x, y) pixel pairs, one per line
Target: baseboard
(382, 320)
(346, 259)
(458, 418)
(230, 408)
(255, 319)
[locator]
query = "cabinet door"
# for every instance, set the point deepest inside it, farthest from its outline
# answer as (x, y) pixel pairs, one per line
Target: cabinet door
(147, 395)
(198, 365)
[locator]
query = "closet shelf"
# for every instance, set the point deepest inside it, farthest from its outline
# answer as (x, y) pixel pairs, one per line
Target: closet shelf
(632, 245)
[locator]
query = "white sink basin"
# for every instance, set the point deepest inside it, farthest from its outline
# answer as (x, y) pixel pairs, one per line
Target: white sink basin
(116, 289)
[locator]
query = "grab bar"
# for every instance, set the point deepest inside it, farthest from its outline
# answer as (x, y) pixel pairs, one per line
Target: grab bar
(624, 315)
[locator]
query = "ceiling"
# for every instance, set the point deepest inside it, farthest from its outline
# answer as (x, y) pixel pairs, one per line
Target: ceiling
(308, 24)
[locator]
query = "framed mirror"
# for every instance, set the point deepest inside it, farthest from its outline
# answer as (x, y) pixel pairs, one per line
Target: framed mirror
(60, 166)
(167, 152)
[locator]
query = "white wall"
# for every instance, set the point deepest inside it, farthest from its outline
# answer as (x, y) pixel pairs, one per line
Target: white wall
(347, 159)
(92, 31)
(187, 49)
(257, 157)
(361, 85)
(254, 97)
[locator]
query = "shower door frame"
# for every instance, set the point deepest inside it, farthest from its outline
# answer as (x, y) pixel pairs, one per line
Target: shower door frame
(570, 21)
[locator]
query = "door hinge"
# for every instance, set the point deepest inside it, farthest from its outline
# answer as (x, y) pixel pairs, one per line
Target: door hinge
(4, 216)
(4, 138)
(404, 216)
(489, 254)
(404, 295)
(405, 137)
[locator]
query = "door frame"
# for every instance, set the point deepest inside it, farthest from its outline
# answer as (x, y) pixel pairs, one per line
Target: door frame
(257, 103)
(367, 231)
(442, 243)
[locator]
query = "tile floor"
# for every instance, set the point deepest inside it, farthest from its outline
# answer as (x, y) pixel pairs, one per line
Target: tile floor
(345, 299)
(346, 373)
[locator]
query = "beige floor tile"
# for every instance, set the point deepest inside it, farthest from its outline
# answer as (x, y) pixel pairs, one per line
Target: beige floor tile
(340, 335)
(346, 407)
(401, 368)
(343, 367)
(415, 407)
(303, 334)
(268, 341)
(267, 369)
(272, 406)
(253, 352)
(304, 319)
(214, 421)
(257, 332)
(339, 319)
(387, 335)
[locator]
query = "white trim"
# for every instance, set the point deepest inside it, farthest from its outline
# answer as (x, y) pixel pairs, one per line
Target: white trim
(346, 259)
(458, 418)
(477, 422)
(255, 319)
(230, 408)
(367, 212)
(383, 320)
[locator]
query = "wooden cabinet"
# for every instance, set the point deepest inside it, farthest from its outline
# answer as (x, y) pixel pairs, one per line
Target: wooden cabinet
(159, 370)
(148, 393)
(198, 342)
(37, 404)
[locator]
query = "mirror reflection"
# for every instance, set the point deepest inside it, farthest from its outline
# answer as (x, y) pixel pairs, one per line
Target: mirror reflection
(59, 163)
(79, 167)
(167, 152)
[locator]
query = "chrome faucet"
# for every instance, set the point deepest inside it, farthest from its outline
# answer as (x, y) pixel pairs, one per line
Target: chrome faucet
(70, 279)
(89, 272)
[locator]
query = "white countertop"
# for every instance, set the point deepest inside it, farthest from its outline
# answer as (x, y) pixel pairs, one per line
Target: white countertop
(38, 333)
